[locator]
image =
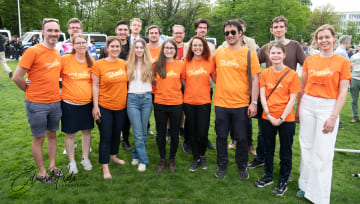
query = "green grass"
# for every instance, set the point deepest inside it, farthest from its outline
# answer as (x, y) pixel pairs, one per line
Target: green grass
(130, 186)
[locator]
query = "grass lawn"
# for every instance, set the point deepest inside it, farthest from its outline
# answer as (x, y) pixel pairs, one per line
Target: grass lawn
(17, 169)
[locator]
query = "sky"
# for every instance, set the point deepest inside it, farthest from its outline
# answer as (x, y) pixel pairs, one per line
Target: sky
(340, 5)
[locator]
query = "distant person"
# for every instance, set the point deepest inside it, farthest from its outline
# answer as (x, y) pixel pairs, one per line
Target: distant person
(35, 40)
(351, 52)
(42, 65)
(345, 43)
(178, 33)
(355, 86)
(323, 94)
(135, 27)
(2, 57)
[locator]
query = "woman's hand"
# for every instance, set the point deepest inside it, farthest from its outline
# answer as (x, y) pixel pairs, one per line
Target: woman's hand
(329, 125)
(96, 112)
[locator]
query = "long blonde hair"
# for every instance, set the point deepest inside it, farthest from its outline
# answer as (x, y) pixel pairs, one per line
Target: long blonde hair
(147, 73)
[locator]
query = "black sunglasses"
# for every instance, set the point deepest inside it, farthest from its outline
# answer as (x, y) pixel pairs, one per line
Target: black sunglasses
(227, 33)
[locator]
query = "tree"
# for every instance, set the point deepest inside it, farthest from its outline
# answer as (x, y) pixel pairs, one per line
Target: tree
(323, 15)
(352, 29)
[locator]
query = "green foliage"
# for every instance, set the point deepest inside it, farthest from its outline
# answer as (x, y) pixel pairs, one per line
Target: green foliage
(352, 29)
(321, 16)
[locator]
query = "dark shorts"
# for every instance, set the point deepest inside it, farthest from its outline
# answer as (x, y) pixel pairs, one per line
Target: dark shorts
(42, 117)
(76, 117)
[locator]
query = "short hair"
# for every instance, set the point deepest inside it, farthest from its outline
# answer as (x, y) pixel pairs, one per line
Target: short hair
(233, 23)
(135, 19)
(201, 20)
(74, 20)
(178, 26)
(152, 27)
(276, 44)
(279, 19)
(49, 20)
(111, 39)
(122, 22)
(322, 28)
(344, 39)
(241, 21)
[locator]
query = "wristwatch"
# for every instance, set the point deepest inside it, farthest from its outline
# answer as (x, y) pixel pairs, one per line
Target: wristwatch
(254, 102)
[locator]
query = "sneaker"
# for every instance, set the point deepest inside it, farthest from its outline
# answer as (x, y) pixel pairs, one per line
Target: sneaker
(141, 167)
(161, 165)
(45, 179)
(300, 194)
(210, 146)
(355, 120)
(243, 173)
(72, 167)
(194, 165)
(135, 162)
(172, 166)
(126, 146)
(220, 172)
(86, 164)
(150, 132)
(280, 189)
(10, 75)
(232, 144)
(186, 148)
(264, 181)
(255, 163)
(203, 163)
(56, 172)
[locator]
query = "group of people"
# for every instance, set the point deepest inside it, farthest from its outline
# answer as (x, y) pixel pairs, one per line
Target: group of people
(137, 74)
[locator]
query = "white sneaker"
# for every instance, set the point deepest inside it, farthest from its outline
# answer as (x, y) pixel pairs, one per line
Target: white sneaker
(150, 132)
(135, 162)
(72, 167)
(142, 167)
(86, 164)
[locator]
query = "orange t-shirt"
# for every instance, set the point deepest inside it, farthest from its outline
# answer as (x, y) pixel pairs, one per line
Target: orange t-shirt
(76, 80)
(325, 74)
(43, 65)
(168, 90)
(113, 83)
(197, 86)
(278, 100)
(154, 55)
(232, 80)
(154, 52)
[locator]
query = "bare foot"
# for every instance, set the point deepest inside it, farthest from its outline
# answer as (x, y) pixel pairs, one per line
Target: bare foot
(117, 160)
(106, 171)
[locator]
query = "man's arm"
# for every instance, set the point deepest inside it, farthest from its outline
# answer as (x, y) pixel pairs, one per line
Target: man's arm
(18, 77)
(252, 110)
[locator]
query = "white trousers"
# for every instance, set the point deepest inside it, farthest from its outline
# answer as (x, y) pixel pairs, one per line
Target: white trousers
(3, 62)
(317, 148)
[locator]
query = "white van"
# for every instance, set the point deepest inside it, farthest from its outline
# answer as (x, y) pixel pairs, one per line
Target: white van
(28, 36)
(6, 33)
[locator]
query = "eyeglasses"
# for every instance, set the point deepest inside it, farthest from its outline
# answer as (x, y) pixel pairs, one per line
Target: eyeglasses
(48, 20)
(227, 33)
(179, 33)
(169, 48)
(80, 43)
(74, 28)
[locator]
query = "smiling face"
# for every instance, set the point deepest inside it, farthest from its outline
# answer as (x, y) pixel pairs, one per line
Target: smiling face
(197, 47)
(114, 49)
(80, 45)
(169, 50)
(325, 40)
(178, 34)
(51, 33)
(135, 27)
(233, 34)
(201, 30)
(122, 31)
(276, 55)
(278, 29)
(139, 49)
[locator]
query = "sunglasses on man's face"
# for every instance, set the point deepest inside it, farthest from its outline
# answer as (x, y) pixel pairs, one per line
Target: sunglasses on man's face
(227, 33)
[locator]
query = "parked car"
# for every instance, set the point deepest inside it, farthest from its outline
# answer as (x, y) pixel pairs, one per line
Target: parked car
(97, 39)
(28, 36)
(211, 40)
(6, 33)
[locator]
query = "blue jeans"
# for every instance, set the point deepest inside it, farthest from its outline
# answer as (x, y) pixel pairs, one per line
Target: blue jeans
(139, 107)
(286, 134)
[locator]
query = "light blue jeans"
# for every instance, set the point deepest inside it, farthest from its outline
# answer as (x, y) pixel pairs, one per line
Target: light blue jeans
(139, 107)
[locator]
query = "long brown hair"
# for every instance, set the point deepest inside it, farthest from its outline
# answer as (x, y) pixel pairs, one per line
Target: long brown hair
(146, 67)
(206, 50)
(89, 61)
(160, 66)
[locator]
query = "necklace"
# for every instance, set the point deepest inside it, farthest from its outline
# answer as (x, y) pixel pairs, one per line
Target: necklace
(195, 69)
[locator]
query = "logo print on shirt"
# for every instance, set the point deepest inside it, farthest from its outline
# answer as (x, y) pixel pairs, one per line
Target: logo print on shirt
(50, 65)
(233, 63)
(324, 72)
(114, 74)
(171, 74)
(196, 72)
